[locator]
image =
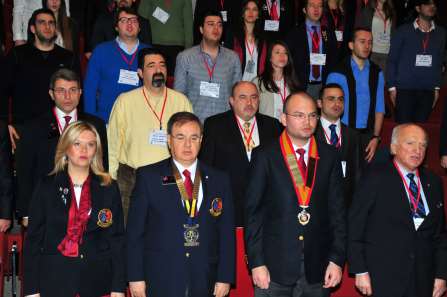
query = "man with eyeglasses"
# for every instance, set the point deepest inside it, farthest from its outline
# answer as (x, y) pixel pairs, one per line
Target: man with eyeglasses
(28, 69)
(138, 121)
(295, 229)
(35, 155)
(180, 233)
(112, 68)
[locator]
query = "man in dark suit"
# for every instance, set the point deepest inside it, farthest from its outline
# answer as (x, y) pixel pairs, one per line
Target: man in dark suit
(230, 137)
(35, 158)
(295, 215)
(397, 238)
(278, 16)
(330, 129)
(5, 179)
(180, 231)
(313, 48)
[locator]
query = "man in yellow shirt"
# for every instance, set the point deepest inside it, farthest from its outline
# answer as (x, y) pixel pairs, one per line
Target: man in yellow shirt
(137, 124)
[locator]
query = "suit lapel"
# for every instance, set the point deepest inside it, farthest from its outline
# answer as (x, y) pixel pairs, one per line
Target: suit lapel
(205, 199)
(344, 140)
(426, 186)
(97, 202)
(63, 190)
(236, 135)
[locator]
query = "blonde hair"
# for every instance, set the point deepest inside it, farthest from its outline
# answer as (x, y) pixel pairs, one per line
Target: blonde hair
(67, 139)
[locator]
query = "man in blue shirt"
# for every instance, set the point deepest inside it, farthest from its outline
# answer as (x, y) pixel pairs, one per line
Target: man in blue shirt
(363, 85)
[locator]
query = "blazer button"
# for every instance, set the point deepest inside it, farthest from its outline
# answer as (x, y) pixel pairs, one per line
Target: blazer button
(187, 255)
(81, 256)
(301, 237)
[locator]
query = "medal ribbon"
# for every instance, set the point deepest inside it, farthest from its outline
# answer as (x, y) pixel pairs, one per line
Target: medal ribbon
(190, 204)
(159, 118)
(59, 125)
(329, 139)
(303, 190)
(414, 201)
(248, 137)
(129, 63)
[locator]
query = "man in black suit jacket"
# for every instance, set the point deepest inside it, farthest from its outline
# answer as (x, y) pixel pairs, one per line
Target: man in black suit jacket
(180, 232)
(330, 129)
(35, 155)
(294, 247)
(397, 238)
(5, 179)
(313, 48)
(230, 137)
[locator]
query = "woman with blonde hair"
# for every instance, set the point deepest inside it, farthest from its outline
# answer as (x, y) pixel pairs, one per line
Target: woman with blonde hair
(74, 244)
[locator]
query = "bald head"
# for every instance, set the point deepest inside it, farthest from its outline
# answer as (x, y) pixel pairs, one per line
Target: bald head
(297, 96)
(408, 145)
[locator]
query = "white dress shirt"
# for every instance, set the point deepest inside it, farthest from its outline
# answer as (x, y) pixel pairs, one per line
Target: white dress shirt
(325, 124)
(192, 169)
(60, 117)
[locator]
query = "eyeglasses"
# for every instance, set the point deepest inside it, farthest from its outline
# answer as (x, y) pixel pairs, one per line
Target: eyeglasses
(125, 20)
(183, 138)
(62, 91)
(300, 116)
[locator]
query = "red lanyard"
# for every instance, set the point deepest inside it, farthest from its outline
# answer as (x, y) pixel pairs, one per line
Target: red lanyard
(222, 2)
(317, 42)
(329, 139)
(335, 18)
(129, 63)
(383, 17)
(61, 129)
(249, 137)
(414, 201)
(426, 38)
(250, 51)
(153, 110)
(270, 8)
(365, 2)
(210, 71)
(283, 97)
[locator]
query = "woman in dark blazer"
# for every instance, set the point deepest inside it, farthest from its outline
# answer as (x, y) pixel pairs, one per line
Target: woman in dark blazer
(74, 244)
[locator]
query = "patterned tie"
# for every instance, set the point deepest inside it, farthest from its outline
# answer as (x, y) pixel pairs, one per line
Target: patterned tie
(188, 183)
(301, 162)
(420, 212)
(334, 136)
(247, 130)
(247, 127)
(67, 122)
(315, 50)
(274, 11)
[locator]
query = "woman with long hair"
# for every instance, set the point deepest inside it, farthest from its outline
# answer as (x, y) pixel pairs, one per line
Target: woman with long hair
(248, 42)
(67, 29)
(277, 81)
(74, 243)
(380, 17)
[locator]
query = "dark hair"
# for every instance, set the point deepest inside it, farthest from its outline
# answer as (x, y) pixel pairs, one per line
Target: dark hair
(358, 29)
(239, 24)
(208, 13)
(266, 78)
(288, 98)
(329, 86)
(236, 84)
(32, 21)
(181, 118)
(388, 9)
(65, 74)
(142, 53)
(425, 2)
(128, 10)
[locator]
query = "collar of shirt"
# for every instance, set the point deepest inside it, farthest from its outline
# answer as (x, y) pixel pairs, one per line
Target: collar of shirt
(60, 116)
(325, 124)
(356, 67)
(305, 147)
(310, 23)
(208, 58)
(192, 169)
(416, 25)
(405, 172)
(123, 46)
(255, 135)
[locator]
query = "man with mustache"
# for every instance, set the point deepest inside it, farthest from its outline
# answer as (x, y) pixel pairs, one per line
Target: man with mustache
(230, 137)
(137, 126)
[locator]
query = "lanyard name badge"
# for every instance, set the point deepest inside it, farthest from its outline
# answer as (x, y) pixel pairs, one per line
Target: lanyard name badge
(157, 137)
(127, 76)
(316, 58)
(250, 68)
(223, 12)
(161, 15)
(424, 60)
(208, 88)
(272, 24)
(338, 33)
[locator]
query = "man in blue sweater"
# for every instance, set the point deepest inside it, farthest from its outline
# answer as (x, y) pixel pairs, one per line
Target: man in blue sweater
(112, 68)
(414, 65)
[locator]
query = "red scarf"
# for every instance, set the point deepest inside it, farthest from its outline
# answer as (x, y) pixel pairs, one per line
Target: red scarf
(77, 221)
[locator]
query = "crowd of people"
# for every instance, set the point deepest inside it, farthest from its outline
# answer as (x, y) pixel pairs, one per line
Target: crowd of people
(136, 136)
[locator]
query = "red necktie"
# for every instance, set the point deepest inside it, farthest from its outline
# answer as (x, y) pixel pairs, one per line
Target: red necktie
(188, 183)
(274, 11)
(67, 122)
(315, 50)
(301, 162)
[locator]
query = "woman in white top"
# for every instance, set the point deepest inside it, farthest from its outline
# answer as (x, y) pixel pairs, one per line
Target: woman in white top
(277, 81)
(380, 17)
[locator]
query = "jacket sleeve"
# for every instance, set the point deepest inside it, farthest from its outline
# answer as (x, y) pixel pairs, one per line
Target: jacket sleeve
(5, 174)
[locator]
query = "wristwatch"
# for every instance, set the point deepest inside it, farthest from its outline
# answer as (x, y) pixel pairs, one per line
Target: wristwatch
(378, 137)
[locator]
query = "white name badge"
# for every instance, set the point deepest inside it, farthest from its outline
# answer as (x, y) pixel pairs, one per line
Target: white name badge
(224, 14)
(209, 89)
(158, 137)
(339, 35)
(384, 37)
(128, 77)
(423, 60)
(318, 59)
(343, 168)
(271, 25)
(417, 222)
(160, 15)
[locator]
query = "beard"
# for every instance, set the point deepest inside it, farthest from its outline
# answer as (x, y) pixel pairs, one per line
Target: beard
(44, 39)
(158, 80)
